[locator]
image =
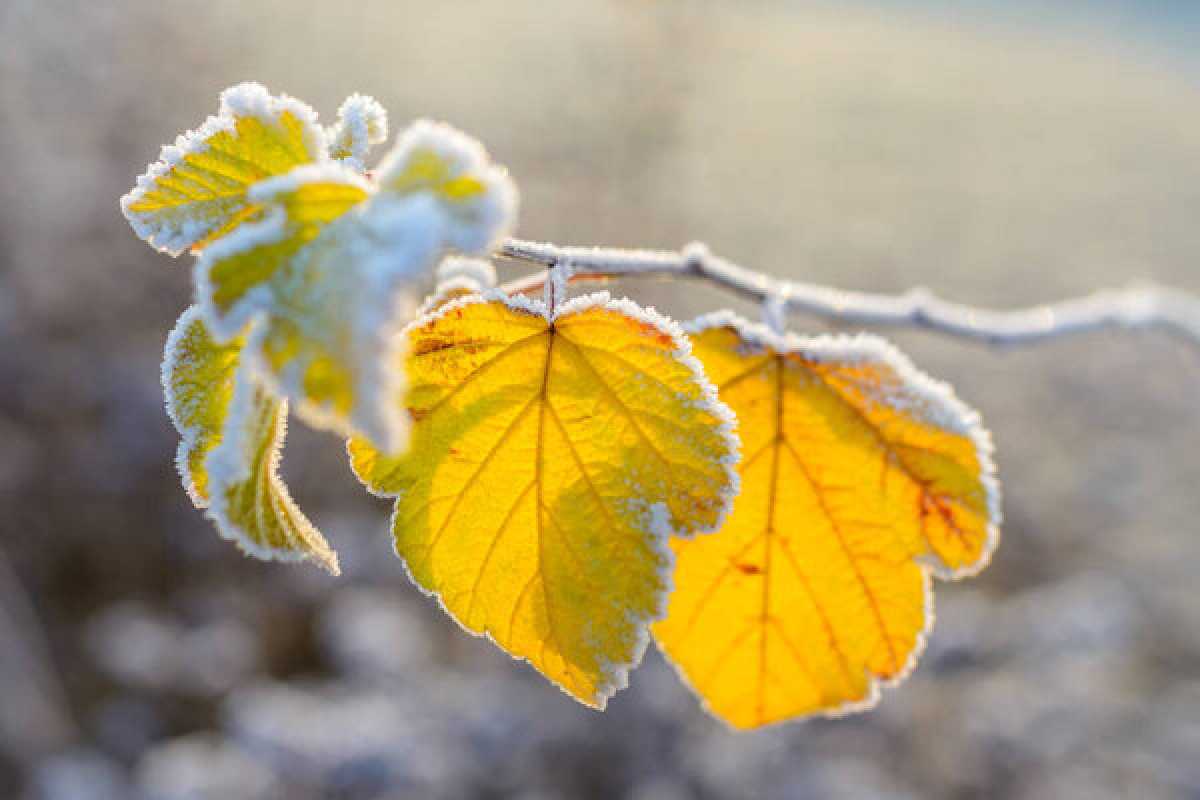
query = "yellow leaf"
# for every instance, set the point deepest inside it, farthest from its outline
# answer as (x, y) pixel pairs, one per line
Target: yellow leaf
(310, 259)
(551, 458)
(198, 378)
(458, 277)
(233, 274)
(320, 279)
(331, 267)
(860, 478)
(197, 191)
(477, 197)
(232, 433)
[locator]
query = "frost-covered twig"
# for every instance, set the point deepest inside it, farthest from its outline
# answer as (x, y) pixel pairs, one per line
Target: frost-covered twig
(1137, 307)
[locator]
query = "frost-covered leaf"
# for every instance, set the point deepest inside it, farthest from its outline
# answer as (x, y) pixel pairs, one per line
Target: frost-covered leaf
(332, 266)
(232, 434)
(458, 277)
(249, 501)
(362, 122)
(477, 196)
(234, 276)
(196, 191)
(325, 279)
(198, 378)
(474, 273)
(307, 267)
(551, 458)
(336, 350)
(861, 477)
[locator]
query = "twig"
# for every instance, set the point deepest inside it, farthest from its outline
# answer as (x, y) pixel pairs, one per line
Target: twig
(1149, 306)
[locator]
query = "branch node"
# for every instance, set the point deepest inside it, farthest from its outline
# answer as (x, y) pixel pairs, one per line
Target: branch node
(695, 255)
(775, 307)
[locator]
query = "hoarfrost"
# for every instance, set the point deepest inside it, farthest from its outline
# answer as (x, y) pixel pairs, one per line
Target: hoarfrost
(362, 122)
(478, 196)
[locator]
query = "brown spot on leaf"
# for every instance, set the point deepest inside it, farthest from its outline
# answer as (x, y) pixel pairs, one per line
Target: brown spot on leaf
(426, 346)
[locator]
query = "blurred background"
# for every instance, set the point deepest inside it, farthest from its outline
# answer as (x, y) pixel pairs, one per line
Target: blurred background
(1004, 152)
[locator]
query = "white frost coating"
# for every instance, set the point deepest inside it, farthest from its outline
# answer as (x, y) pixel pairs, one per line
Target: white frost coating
(479, 272)
(348, 292)
(479, 221)
(252, 99)
(446, 291)
(915, 393)
(247, 236)
(172, 357)
(1138, 307)
(659, 525)
(232, 462)
(362, 122)
(344, 293)
(175, 233)
(457, 276)
(774, 311)
(269, 189)
(555, 291)
(273, 228)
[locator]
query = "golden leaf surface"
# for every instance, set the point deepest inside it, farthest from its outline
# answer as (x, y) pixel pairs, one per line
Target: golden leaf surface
(330, 268)
(303, 205)
(198, 378)
(551, 458)
(232, 434)
(323, 290)
(197, 191)
(860, 478)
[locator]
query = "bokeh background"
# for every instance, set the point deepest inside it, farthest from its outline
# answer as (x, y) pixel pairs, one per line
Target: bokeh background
(1005, 152)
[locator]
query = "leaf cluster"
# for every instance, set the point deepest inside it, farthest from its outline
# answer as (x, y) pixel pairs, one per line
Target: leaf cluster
(571, 478)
